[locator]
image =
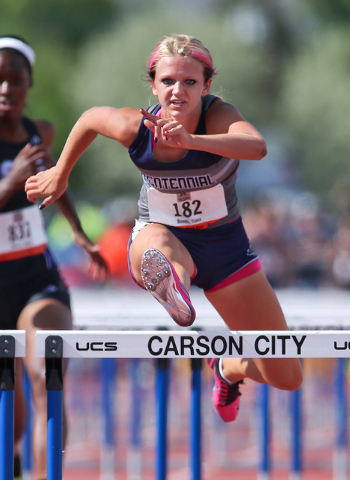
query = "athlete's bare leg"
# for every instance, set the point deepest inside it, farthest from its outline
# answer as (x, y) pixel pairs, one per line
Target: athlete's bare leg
(20, 404)
(159, 237)
(251, 304)
(44, 314)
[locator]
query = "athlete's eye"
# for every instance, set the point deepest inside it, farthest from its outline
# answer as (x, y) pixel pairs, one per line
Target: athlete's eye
(167, 81)
(17, 81)
(191, 82)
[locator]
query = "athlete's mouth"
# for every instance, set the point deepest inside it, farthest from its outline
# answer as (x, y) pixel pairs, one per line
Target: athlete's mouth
(6, 104)
(177, 103)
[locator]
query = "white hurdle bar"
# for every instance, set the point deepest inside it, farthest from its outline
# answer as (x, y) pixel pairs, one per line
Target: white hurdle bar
(177, 344)
(12, 345)
(200, 344)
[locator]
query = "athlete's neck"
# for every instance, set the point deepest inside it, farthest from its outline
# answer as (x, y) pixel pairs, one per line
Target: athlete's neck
(12, 130)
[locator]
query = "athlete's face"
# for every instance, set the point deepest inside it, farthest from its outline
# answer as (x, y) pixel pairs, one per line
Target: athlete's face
(15, 80)
(179, 85)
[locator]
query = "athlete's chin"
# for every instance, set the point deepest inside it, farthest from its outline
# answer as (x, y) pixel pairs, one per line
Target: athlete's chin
(178, 111)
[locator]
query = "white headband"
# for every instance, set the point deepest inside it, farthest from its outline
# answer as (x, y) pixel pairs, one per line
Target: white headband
(26, 50)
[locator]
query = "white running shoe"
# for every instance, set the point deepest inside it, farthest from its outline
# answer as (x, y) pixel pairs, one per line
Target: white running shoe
(162, 281)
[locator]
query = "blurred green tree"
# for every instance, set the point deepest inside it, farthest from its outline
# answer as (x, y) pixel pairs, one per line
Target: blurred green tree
(55, 30)
(315, 105)
(337, 11)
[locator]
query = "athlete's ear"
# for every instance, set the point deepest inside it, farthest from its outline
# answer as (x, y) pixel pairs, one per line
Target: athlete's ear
(154, 90)
(206, 87)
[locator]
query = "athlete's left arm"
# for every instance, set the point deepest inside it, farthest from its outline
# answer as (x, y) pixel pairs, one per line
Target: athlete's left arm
(65, 204)
(229, 135)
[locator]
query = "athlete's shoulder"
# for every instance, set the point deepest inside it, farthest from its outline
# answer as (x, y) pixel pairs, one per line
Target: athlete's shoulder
(220, 115)
(47, 131)
(128, 120)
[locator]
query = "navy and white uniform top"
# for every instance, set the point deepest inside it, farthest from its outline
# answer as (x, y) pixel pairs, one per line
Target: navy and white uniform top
(23, 241)
(197, 191)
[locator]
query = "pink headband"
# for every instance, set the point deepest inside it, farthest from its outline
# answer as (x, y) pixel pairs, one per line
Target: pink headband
(201, 56)
(154, 59)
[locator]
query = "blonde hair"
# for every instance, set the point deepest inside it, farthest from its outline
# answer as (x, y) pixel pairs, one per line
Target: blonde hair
(181, 46)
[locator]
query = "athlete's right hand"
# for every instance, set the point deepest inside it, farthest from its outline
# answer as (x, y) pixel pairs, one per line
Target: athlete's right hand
(48, 185)
(25, 164)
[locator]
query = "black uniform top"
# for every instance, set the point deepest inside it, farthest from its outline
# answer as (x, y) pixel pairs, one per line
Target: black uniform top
(19, 271)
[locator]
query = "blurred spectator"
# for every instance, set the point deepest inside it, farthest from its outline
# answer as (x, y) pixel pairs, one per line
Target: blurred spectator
(294, 240)
(341, 247)
(310, 241)
(74, 262)
(265, 228)
(121, 214)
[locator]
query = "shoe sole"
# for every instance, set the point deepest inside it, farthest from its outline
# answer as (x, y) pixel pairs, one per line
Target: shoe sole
(161, 280)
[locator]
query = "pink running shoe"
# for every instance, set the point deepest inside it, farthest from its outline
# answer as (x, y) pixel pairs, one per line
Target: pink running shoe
(225, 395)
(161, 280)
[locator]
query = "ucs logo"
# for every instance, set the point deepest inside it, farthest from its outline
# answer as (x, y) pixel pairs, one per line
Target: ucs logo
(97, 347)
(346, 346)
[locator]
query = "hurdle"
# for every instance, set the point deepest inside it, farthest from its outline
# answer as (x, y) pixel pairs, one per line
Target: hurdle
(12, 345)
(196, 345)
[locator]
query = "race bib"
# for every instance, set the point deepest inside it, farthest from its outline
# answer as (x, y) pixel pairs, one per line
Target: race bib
(22, 233)
(187, 209)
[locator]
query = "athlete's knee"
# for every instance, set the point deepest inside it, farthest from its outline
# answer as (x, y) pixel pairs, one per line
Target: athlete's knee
(291, 379)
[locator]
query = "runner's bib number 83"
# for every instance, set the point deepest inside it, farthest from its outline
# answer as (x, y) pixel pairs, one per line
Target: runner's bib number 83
(187, 209)
(22, 233)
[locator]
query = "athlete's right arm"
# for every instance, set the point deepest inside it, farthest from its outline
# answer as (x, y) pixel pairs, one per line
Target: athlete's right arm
(121, 125)
(23, 166)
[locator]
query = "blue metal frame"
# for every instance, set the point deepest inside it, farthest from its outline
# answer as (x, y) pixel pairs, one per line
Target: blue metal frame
(136, 405)
(264, 431)
(54, 387)
(7, 406)
(7, 410)
(54, 434)
(108, 373)
(195, 424)
(296, 439)
(162, 395)
(27, 460)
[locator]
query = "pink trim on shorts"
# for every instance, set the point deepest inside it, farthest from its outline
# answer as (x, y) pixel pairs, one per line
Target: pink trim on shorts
(244, 272)
(195, 271)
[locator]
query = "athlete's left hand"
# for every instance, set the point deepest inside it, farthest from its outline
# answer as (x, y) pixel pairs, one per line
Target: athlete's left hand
(98, 267)
(167, 130)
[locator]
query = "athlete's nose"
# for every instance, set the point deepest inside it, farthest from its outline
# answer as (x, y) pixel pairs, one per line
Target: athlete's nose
(177, 88)
(4, 87)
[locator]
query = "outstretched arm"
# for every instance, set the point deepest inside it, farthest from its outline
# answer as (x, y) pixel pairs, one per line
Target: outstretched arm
(98, 269)
(228, 134)
(121, 125)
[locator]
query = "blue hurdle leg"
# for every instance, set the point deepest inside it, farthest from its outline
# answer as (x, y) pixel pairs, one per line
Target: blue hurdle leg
(195, 435)
(27, 437)
(7, 399)
(264, 432)
(54, 387)
(108, 372)
(162, 395)
(134, 461)
(54, 434)
(340, 448)
(7, 406)
(296, 460)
